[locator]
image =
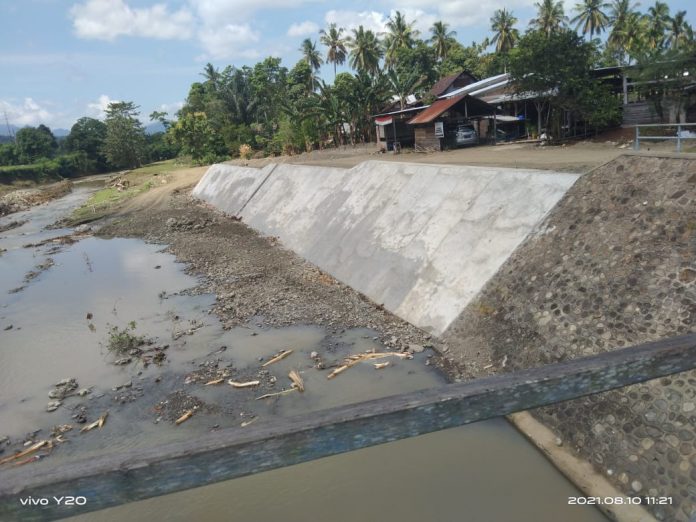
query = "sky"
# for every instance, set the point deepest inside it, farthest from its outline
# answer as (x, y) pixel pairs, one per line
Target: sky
(64, 59)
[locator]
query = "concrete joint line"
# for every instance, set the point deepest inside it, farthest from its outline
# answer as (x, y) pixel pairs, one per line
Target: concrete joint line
(239, 212)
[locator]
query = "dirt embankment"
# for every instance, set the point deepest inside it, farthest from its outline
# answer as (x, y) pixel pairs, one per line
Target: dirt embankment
(22, 199)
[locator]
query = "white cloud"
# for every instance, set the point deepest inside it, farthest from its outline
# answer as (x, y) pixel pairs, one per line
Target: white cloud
(98, 108)
(464, 13)
(371, 20)
(29, 112)
(108, 19)
(213, 11)
(171, 108)
(229, 41)
(303, 29)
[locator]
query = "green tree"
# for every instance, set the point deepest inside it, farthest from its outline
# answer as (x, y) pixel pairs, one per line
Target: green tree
(124, 145)
(550, 16)
(310, 54)
(34, 143)
(591, 16)
(400, 35)
(442, 39)
(678, 31)
(365, 51)
(627, 30)
(403, 83)
(8, 154)
(505, 35)
(557, 69)
(336, 44)
(195, 137)
(88, 135)
(658, 20)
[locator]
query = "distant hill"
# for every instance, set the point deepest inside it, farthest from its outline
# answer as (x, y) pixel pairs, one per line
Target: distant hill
(152, 128)
(58, 133)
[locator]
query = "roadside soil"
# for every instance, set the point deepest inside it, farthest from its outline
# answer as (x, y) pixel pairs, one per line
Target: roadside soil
(573, 157)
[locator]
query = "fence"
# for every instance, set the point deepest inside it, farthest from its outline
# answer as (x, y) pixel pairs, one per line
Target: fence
(678, 136)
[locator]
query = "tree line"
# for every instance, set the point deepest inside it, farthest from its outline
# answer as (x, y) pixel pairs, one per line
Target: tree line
(268, 109)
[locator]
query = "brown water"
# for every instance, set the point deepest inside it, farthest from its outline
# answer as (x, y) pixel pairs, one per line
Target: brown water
(482, 472)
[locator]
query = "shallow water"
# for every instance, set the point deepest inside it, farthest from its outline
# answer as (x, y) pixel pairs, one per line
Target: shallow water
(481, 472)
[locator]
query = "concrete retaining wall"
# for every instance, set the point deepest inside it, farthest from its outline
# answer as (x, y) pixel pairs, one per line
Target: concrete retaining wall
(420, 239)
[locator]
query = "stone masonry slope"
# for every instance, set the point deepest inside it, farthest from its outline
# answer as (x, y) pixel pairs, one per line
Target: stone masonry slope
(614, 264)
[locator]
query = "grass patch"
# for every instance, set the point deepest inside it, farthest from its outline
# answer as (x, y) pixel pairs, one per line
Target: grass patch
(139, 180)
(123, 340)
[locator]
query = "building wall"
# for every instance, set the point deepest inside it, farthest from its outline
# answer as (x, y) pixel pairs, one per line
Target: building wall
(426, 139)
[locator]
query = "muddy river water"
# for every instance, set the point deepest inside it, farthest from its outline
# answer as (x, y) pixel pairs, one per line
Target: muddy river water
(59, 303)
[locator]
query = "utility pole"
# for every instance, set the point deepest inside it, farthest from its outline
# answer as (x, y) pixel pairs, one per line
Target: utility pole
(9, 129)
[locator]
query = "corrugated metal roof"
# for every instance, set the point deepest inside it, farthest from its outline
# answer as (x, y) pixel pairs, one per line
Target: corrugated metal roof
(437, 108)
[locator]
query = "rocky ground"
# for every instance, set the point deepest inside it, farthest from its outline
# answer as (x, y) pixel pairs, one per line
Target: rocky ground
(22, 199)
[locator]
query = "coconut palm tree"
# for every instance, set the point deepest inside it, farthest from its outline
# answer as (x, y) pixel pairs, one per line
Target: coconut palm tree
(658, 22)
(550, 16)
(336, 44)
(677, 32)
(505, 35)
(310, 54)
(441, 39)
(400, 34)
(591, 17)
(626, 26)
(365, 51)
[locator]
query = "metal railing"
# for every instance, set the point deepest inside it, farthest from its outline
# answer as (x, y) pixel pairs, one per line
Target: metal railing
(678, 136)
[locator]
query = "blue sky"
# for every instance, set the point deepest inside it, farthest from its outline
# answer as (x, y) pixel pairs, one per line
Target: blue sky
(63, 59)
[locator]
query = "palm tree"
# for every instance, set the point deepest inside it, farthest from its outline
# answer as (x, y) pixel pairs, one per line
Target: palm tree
(400, 34)
(336, 44)
(505, 34)
(678, 31)
(441, 39)
(658, 21)
(211, 75)
(550, 16)
(310, 54)
(591, 17)
(365, 51)
(626, 27)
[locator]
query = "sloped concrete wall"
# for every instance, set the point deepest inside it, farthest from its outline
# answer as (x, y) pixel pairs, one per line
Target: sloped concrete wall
(230, 188)
(420, 239)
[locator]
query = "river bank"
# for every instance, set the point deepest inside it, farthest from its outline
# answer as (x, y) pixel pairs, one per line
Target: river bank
(239, 300)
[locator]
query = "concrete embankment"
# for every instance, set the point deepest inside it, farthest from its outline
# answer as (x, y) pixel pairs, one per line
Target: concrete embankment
(420, 239)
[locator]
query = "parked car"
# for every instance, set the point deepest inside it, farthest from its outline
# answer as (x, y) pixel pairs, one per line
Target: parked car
(466, 135)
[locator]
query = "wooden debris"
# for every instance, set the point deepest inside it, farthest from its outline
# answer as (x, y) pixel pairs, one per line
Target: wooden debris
(352, 360)
(338, 370)
(297, 381)
(31, 449)
(215, 381)
(276, 394)
(379, 366)
(247, 384)
(282, 355)
(186, 416)
(99, 423)
(247, 422)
